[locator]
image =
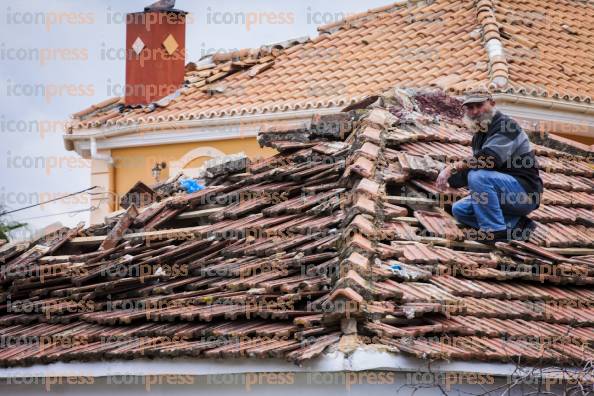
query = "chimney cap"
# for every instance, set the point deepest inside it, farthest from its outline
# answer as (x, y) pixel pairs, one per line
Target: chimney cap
(163, 5)
(171, 11)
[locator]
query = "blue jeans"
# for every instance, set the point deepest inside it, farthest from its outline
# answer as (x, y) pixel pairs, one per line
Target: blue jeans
(496, 202)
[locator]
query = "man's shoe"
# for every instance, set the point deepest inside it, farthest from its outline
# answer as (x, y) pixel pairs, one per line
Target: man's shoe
(492, 237)
(523, 230)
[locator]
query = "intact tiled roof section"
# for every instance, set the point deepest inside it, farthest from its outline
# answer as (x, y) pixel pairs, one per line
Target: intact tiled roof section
(404, 44)
(341, 240)
(525, 47)
(547, 46)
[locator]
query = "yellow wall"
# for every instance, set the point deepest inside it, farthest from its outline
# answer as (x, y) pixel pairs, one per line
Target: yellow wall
(582, 139)
(134, 164)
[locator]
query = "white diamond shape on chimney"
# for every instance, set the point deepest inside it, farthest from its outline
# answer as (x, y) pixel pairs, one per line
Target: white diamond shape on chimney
(138, 45)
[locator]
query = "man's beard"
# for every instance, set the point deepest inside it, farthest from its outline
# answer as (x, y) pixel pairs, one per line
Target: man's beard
(481, 122)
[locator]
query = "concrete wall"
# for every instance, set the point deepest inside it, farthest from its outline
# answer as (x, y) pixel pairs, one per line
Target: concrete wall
(102, 175)
(267, 384)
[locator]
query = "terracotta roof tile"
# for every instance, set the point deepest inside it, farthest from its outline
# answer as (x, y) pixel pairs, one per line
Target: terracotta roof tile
(439, 224)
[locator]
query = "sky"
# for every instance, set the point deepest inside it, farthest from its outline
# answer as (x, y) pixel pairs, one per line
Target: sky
(58, 57)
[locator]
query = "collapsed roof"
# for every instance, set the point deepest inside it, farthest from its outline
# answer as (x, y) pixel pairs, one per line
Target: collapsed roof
(338, 241)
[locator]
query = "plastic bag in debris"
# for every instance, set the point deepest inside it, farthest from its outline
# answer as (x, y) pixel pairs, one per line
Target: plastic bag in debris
(395, 268)
(190, 185)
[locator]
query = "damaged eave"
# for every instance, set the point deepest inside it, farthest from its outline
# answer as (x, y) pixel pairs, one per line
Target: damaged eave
(147, 134)
(362, 359)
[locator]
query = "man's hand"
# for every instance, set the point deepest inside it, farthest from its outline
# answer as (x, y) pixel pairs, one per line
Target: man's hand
(442, 180)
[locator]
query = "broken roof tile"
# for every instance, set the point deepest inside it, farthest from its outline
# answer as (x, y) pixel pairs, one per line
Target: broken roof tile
(439, 224)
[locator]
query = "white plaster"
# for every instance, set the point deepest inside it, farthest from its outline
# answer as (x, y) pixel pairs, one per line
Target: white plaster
(203, 151)
(362, 359)
(185, 131)
(494, 48)
(573, 119)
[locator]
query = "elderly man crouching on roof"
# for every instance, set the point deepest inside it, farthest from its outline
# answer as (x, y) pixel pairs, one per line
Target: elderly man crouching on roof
(502, 175)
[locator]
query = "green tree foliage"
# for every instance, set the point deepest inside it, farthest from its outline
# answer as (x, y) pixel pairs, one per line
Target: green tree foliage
(7, 226)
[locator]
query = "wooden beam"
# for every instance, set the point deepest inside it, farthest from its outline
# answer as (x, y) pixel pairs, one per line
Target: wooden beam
(54, 259)
(117, 232)
(537, 250)
(196, 214)
(151, 235)
(409, 220)
(468, 245)
(182, 216)
(413, 221)
(398, 200)
(98, 240)
(571, 251)
(473, 245)
(118, 212)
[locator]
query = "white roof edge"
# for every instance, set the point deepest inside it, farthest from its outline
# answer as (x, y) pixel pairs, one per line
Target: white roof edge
(106, 132)
(184, 131)
(360, 360)
(574, 120)
(546, 103)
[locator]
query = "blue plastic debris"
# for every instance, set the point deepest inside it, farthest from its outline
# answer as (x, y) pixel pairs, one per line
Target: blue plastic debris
(395, 267)
(190, 185)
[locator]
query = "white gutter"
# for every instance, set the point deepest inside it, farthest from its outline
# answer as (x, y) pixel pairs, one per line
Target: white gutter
(96, 156)
(362, 359)
(562, 117)
(551, 104)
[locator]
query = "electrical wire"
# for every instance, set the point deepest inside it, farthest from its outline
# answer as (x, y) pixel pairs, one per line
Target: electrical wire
(58, 214)
(51, 200)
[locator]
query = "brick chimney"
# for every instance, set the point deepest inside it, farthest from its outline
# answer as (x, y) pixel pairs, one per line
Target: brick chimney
(156, 52)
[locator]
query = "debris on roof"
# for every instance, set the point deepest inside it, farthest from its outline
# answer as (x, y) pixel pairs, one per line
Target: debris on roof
(139, 195)
(220, 166)
(272, 257)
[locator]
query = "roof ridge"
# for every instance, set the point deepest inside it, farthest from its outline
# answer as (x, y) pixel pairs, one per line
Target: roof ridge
(498, 65)
(360, 251)
(332, 27)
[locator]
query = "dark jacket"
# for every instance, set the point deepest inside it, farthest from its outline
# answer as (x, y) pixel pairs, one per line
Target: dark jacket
(505, 148)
